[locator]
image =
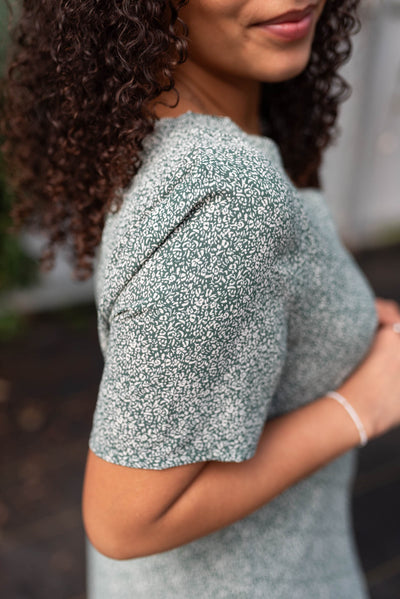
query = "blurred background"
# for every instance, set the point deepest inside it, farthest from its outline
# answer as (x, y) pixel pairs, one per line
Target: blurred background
(50, 361)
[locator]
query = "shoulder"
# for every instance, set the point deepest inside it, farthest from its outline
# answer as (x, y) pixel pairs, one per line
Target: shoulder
(198, 181)
(196, 157)
(205, 152)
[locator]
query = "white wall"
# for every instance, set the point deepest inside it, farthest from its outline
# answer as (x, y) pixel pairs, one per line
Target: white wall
(361, 173)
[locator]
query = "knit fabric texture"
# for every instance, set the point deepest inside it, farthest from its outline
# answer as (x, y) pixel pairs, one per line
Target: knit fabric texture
(225, 298)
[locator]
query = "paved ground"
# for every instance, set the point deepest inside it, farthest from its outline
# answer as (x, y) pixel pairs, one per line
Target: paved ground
(49, 376)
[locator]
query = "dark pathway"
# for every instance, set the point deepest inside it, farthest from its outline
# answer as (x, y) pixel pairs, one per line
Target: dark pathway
(49, 377)
(45, 415)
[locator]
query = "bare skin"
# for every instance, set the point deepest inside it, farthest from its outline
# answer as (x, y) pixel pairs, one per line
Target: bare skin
(130, 512)
(387, 310)
(229, 58)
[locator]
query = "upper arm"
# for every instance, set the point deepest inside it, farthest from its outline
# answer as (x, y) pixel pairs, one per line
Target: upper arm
(120, 502)
(195, 348)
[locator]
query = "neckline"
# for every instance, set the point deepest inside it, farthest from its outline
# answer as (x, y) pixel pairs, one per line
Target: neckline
(190, 115)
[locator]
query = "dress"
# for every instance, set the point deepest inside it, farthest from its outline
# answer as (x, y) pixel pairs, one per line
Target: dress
(225, 297)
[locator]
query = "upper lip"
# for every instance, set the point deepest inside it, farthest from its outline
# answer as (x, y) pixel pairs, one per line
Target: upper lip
(291, 15)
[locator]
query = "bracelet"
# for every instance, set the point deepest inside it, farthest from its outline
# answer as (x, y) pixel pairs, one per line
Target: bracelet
(353, 414)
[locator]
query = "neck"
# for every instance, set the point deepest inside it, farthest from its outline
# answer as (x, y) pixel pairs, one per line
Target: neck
(210, 93)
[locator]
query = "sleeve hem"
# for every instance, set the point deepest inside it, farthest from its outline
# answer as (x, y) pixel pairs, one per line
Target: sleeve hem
(159, 463)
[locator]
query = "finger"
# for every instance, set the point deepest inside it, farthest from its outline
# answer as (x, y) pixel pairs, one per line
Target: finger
(388, 311)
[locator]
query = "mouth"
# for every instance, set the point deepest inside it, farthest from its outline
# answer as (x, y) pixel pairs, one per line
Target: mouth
(292, 25)
(292, 16)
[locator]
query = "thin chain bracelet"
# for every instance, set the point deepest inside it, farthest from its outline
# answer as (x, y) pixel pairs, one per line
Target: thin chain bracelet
(353, 414)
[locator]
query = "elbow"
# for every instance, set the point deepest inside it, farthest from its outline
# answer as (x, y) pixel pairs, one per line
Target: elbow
(111, 542)
(114, 550)
(123, 509)
(113, 530)
(111, 548)
(112, 536)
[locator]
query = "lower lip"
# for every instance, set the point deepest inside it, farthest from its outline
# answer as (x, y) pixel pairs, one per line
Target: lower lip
(293, 30)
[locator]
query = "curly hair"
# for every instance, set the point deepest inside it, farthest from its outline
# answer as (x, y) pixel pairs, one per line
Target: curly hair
(76, 95)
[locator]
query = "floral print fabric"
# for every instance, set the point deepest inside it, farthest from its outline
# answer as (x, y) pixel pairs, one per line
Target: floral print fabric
(226, 298)
(195, 288)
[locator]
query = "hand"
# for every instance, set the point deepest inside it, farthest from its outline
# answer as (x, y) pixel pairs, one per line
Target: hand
(388, 311)
(374, 387)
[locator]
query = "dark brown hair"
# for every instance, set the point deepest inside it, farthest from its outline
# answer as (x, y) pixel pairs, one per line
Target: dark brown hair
(76, 107)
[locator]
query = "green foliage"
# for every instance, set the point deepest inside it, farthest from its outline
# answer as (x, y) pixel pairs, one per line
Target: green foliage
(17, 269)
(3, 29)
(12, 324)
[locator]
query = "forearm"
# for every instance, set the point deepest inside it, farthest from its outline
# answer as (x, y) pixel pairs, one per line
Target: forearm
(291, 447)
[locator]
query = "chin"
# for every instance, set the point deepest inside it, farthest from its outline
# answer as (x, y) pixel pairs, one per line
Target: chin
(283, 72)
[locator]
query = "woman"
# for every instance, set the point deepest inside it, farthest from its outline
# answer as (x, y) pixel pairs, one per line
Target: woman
(232, 320)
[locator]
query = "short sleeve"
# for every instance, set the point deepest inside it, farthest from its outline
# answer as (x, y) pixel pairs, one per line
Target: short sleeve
(197, 339)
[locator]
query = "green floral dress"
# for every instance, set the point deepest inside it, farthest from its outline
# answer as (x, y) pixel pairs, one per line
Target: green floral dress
(225, 298)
